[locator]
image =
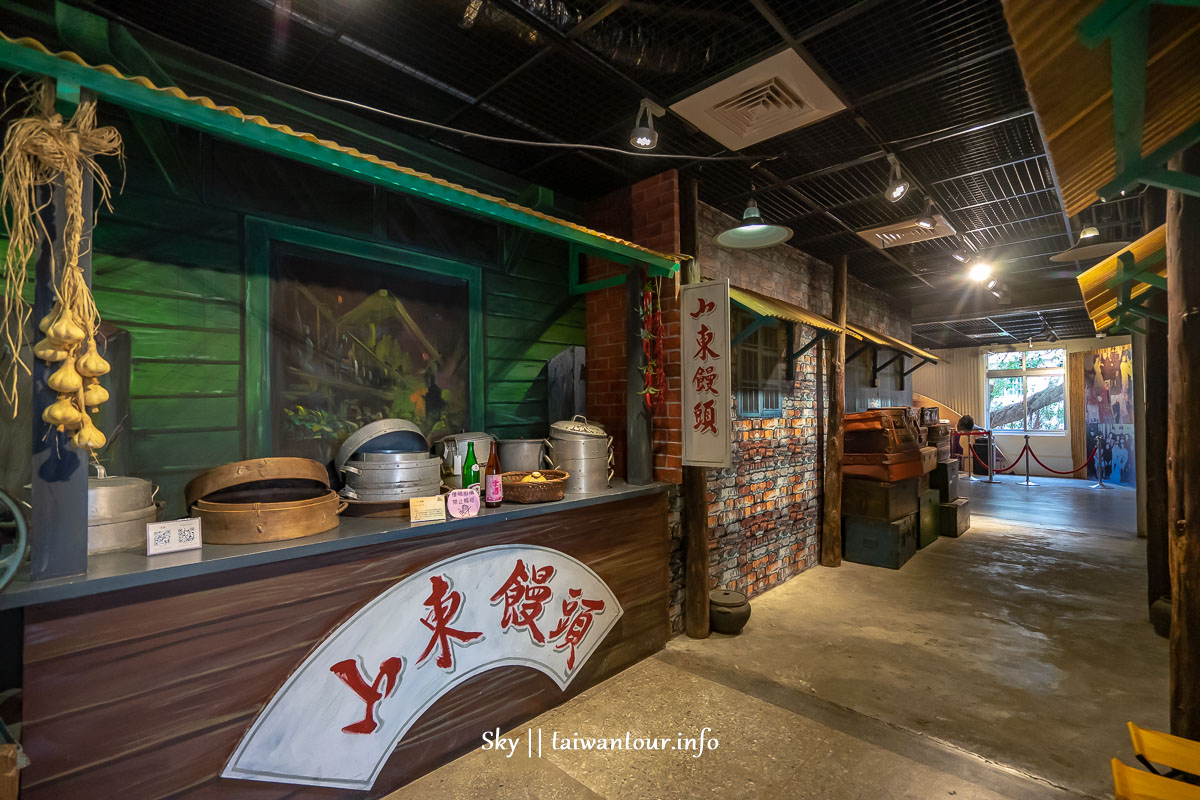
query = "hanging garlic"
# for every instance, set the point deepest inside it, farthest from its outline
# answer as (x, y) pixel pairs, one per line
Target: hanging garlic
(62, 414)
(65, 379)
(91, 364)
(89, 436)
(94, 394)
(48, 320)
(65, 329)
(50, 350)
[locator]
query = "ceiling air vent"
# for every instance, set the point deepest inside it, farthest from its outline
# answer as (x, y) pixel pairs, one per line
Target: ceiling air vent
(906, 232)
(776, 95)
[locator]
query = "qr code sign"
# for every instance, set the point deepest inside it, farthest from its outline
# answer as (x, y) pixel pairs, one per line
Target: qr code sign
(172, 536)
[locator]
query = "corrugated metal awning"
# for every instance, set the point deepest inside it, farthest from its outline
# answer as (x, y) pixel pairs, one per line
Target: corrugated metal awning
(1101, 293)
(892, 343)
(765, 306)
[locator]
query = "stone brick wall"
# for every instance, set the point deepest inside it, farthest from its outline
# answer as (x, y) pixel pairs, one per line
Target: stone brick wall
(764, 511)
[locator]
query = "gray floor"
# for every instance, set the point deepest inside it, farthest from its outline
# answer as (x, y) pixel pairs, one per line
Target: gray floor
(1003, 664)
(1066, 503)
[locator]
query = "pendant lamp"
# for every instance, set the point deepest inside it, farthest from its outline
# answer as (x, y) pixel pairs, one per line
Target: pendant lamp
(1090, 245)
(753, 233)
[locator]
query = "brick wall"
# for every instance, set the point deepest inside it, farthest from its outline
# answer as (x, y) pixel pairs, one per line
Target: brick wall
(764, 511)
(646, 213)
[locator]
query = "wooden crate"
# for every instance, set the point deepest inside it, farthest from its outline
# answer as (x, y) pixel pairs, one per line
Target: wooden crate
(955, 517)
(878, 543)
(879, 500)
(944, 478)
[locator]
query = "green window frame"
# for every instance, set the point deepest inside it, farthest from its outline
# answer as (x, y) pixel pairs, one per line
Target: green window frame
(263, 234)
(759, 369)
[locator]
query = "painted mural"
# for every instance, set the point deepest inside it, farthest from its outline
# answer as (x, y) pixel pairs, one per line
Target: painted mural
(1108, 409)
(354, 341)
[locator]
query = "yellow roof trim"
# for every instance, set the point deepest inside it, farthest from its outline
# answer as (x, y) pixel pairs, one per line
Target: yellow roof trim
(771, 307)
(892, 343)
(237, 113)
(1102, 301)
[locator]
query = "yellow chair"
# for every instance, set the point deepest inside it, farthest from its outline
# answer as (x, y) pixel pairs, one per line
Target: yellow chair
(1135, 784)
(1153, 747)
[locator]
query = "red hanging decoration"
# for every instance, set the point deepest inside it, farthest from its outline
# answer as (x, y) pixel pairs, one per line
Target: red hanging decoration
(654, 368)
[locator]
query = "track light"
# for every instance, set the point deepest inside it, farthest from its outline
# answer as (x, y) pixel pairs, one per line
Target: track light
(753, 233)
(926, 219)
(961, 256)
(897, 186)
(979, 271)
(643, 136)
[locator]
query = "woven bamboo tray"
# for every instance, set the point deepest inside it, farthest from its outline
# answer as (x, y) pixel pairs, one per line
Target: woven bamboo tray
(542, 492)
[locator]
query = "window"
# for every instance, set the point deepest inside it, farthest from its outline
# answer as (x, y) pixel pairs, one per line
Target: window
(759, 369)
(1027, 391)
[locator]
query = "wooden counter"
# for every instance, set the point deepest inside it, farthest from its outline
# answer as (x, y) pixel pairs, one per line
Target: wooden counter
(145, 691)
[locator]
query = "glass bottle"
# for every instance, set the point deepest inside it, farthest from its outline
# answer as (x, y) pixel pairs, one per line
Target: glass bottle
(493, 484)
(470, 468)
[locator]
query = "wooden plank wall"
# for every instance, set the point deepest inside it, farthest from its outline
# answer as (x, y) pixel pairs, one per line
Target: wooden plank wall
(144, 693)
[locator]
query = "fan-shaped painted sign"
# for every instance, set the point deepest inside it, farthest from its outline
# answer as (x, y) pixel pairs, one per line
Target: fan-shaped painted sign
(340, 715)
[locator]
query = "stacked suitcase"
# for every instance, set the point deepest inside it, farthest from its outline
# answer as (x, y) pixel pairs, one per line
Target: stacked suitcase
(951, 515)
(882, 467)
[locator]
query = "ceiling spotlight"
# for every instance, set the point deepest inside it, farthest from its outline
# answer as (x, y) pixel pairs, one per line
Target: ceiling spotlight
(897, 186)
(961, 256)
(979, 271)
(926, 219)
(643, 136)
(753, 233)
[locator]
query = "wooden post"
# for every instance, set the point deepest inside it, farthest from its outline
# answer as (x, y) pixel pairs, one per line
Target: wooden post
(58, 529)
(1183, 452)
(1154, 409)
(831, 506)
(695, 479)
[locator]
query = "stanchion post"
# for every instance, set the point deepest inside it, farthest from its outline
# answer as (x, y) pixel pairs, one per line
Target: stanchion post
(1099, 484)
(991, 457)
(1027, 482)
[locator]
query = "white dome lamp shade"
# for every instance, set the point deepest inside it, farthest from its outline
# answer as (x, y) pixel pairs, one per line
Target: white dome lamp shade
(1090, 245)
(753, 232)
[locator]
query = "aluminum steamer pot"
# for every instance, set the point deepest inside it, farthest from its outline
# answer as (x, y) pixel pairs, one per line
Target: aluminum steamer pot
(521, 455)
(577, 427)
(118, 510)
(575, 449)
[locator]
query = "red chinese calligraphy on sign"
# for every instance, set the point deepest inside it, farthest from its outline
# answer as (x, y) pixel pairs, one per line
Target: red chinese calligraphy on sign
(706, 417)
(704, 338)
(525, 595)
(443, 605)
(575, 623)
(369, 693)
(705, 380)
(705, 307)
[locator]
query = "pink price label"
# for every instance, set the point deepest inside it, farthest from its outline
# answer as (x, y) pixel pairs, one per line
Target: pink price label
(462, 503)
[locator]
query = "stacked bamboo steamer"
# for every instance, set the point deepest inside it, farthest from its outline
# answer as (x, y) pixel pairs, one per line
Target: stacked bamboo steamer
(583, 450)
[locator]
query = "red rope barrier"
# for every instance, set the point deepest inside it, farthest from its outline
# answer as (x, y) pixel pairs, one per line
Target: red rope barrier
(1091, 455)
(1016, 461)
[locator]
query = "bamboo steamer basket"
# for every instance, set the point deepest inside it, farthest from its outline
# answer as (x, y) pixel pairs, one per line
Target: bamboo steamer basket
(263, 500)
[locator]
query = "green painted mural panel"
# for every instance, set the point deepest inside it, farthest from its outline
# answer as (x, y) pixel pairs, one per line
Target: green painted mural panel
(517, 392)
(520, 349)
(123, 273)
(534, 330)
(520, 308)
(158, 379)
(124, 307)
(173, 345)
(195, 449)
(184, 413)
(505, 370)
(170, 487)
(500, 285)
(131, 237)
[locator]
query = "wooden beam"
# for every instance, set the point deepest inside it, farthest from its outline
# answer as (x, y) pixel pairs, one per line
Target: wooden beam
(831, 496)
(695, 479)
(745, 332)
(811, 344)
(862, 349)
(1183, 457)
(888, 363)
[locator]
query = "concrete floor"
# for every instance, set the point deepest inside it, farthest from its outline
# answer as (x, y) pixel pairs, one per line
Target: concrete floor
(1003, 664)
(1066, 503)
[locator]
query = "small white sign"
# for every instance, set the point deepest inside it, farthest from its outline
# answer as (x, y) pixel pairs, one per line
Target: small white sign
(172, 536)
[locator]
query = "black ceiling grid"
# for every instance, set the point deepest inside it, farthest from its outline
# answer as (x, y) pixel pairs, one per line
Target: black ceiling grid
(935, 81)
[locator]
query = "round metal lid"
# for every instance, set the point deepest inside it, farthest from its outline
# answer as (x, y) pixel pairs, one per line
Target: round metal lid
(576, 427)
(726, 597)
(397, 435)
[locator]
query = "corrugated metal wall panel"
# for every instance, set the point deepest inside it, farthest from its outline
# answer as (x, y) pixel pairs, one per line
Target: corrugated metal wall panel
(956, 382)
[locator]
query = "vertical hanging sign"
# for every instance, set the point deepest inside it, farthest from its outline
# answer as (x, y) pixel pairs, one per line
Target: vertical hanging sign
(706, 356)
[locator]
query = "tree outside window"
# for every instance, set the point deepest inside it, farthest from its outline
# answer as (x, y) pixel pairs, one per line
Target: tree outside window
(1027, 391)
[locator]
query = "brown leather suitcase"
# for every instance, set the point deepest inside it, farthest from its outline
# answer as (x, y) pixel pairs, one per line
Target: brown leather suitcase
(880, 430)
(883, 466)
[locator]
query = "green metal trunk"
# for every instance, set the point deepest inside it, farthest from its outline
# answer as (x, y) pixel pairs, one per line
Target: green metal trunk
(930, 503)
(878, 500)
(879, 543)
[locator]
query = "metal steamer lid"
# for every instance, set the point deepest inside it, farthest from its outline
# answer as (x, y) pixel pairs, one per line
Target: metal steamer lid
(384, 434)
(577, 426)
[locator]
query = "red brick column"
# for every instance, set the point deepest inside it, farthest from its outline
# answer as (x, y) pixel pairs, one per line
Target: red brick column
(646, 213)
